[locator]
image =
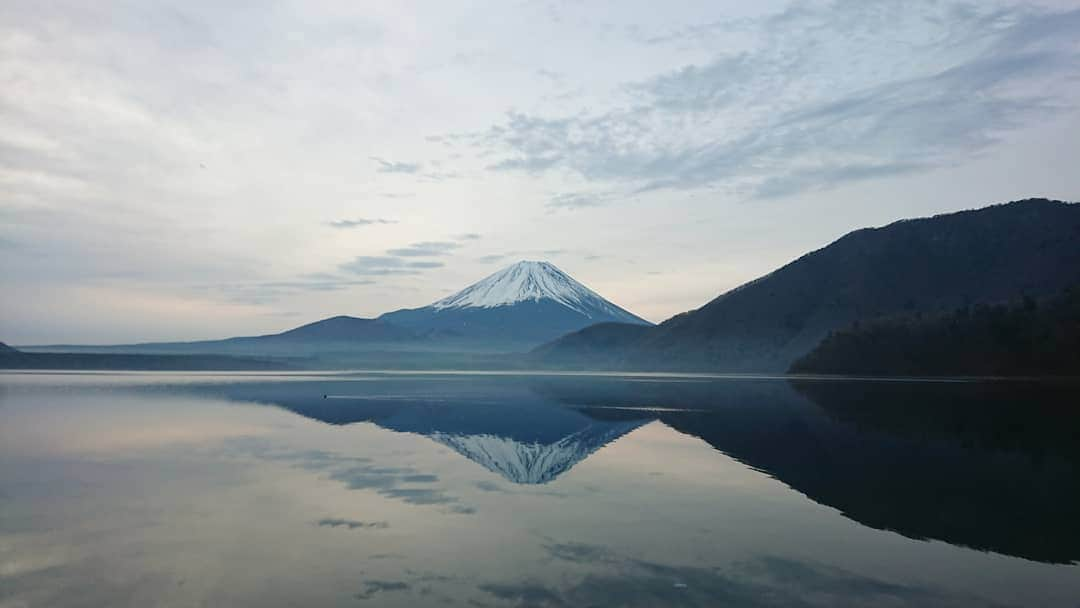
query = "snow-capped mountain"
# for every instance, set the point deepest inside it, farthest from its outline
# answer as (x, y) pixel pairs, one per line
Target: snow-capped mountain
(535, 463)
(533, 281)
(525, 304)
(508, 425)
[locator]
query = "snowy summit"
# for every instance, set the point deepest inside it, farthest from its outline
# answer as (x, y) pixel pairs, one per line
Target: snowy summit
(527, 303)
(532, 281)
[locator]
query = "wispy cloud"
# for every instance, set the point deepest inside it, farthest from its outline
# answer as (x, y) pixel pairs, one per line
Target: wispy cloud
(440, 176)
(467, 236)
(937, 84)
(266, 292)
(424, 249)
(373, 587)
(401, 260)
(762, 581)
(351, 524)
(578, 200)
(519, 254)
(385, 166)
(358, 222)
(386, 265)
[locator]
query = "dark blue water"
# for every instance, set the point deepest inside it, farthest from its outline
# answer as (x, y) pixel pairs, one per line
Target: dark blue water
(535, 490)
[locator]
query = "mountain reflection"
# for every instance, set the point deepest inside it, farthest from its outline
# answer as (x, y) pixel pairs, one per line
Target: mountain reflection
(983, 465)
(506, 427)
(990, 466)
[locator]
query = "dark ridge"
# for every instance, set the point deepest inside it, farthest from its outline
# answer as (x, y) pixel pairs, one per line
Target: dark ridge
(928, 266)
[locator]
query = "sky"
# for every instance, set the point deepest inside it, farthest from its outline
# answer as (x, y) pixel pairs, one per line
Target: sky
(203, 169)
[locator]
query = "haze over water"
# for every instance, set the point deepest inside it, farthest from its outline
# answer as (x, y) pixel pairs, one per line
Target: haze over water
(412, 489)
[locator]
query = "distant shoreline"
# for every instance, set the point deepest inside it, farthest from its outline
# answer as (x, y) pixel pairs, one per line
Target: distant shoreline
(66, 362)
(136, 362)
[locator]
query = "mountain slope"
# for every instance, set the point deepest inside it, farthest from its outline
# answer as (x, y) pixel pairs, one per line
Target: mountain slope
(599, 346)
(341, 328)
(527, 303)
(930, 265)
(332, 334)
(4, 348)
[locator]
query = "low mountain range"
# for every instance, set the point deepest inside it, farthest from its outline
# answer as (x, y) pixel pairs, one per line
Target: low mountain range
(928, 266)
(513, 310)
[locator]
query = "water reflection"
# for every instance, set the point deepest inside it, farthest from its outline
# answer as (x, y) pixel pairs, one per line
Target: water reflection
(988, 466)
(410, 490)
(503, 425)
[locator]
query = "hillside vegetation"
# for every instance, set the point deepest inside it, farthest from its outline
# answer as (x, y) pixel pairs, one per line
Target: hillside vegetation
(1024, 338)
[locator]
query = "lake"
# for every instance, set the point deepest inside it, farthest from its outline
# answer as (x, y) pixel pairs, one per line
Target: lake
(414, 489)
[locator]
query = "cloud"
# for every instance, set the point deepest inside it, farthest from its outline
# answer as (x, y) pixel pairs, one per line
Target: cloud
(385, 265)
(398, 261)
(933, 86)
(550, 75)
(357, 222)
(577, 200)
(524, 594)
(424, 249)
(377, 586)
(467, 236)
(385, 166)
(578, 552)
(767, 581)
(533, 253)
(398, 483)
(440, 176)
(265, 292)
(351, 524)
(358, 473)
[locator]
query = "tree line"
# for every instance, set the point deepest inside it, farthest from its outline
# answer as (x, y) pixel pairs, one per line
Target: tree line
(1026, 337)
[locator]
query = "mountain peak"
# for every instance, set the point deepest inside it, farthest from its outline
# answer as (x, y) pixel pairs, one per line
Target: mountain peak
(529, 280)
(521, 306)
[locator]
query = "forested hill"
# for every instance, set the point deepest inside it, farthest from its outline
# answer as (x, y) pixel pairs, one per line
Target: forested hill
(1025, 338)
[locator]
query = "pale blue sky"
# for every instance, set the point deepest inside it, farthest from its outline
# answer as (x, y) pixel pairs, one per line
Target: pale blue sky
(202, 169)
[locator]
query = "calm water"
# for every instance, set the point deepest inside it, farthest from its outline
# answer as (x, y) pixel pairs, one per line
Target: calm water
(415, 490)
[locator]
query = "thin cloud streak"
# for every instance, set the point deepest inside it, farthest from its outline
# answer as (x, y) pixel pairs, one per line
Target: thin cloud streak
(385, 166)
(359, 222)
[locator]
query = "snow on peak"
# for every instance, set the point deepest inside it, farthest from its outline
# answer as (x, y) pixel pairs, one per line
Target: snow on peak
(527, 280)
(535, 463)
